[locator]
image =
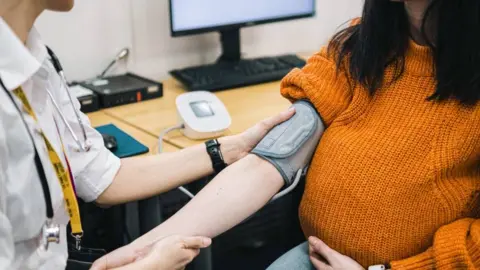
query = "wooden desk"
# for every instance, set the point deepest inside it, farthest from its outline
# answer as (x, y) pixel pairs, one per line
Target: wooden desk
(100, 118)
(247, 106)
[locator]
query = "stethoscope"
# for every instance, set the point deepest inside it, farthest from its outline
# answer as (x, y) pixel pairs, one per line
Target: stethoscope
(82, 146)
(50, 231)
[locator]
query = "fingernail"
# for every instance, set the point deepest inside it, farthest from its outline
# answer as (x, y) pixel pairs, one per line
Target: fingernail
(291, 109)
(207, 241)
(312, 240)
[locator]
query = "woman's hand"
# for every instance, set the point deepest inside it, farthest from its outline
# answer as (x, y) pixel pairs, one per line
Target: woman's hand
(325, 258)
(173, 252)
(238, 146)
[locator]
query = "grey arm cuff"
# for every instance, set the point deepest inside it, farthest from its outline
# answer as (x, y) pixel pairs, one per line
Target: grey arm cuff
(290, 146)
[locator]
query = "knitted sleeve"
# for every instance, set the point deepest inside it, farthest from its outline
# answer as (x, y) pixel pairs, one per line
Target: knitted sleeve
(455, 246)
(320, 83)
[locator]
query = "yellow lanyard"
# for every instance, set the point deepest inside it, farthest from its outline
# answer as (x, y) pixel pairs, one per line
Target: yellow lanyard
(63, 175)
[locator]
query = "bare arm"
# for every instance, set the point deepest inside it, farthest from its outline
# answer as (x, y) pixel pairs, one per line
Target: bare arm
(235, 194)
(144, 177)
(157, 174)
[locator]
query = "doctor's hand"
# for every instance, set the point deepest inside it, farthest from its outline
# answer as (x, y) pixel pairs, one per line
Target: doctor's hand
(325, 258)
(170, 253)
(174, 252)
(238, 146)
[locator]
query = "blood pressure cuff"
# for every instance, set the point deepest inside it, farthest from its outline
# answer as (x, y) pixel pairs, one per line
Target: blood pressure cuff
(290, 146)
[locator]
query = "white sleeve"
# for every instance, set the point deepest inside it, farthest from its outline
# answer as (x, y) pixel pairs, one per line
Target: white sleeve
(94, 170)
(7, 247)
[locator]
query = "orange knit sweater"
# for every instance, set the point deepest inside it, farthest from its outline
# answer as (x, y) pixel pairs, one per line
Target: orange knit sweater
(395, 178)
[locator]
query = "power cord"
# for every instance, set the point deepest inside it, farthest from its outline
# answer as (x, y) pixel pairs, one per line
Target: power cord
(160, 150)
(164, 133)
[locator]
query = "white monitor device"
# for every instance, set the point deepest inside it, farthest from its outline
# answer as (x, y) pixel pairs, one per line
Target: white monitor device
(189, 15)
(203, 115)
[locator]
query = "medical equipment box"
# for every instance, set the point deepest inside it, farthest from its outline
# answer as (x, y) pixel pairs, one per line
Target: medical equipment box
(124, 89)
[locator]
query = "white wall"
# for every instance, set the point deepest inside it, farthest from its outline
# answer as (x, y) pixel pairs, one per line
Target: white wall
(89, 36)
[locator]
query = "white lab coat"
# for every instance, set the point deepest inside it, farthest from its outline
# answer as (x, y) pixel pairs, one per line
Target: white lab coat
(22, 204)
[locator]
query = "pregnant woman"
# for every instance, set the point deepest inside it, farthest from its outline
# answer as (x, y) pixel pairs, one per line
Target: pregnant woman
(395, 179)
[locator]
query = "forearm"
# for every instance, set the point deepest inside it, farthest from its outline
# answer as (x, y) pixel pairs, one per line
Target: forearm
(235, 194)
(147, 176)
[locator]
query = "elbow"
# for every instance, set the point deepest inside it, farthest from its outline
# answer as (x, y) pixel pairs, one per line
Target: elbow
(105, 200)
(255, 161)
(111, 194)
(269, 173)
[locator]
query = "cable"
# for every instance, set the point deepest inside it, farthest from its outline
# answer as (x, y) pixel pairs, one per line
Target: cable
(188, 193)
(165, 132)
(160, 150)
(295, 183)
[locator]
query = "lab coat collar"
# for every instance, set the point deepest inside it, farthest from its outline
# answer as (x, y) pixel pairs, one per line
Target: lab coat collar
(19, 62)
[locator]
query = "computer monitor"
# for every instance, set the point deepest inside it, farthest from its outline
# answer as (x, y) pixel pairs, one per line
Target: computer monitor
(188, 17)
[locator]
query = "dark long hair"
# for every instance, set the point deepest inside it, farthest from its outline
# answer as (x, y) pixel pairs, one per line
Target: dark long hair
(381, 39)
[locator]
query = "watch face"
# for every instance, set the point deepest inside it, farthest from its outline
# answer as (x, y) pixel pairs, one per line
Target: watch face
(202, 109)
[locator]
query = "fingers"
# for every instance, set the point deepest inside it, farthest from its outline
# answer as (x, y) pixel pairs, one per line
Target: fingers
(319, 247)
(114, 259)
(271, 122)
(99, 265)
(196, 242)
(319, 264)
(313, 254)
(191, 254)
(192, 246)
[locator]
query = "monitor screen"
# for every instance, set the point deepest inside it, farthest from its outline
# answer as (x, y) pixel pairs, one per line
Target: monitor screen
(190, 15)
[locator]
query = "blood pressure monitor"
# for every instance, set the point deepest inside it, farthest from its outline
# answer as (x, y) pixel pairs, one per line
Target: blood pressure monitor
(203, 115)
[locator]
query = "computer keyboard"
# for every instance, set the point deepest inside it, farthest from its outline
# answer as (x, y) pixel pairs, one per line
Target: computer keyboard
(227, 75)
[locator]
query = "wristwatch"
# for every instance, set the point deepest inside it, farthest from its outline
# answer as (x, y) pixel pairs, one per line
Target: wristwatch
(213, 150)
(380, 267)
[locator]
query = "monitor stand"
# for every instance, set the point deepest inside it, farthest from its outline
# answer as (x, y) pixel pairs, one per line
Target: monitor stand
(230, 40)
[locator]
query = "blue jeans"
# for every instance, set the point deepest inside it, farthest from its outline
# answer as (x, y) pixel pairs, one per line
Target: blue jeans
(297, 258)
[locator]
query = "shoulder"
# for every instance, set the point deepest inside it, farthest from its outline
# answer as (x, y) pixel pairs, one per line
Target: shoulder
(327, 63)
(334, 53)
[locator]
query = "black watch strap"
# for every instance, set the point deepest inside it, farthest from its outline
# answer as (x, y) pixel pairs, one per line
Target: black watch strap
(213, 150)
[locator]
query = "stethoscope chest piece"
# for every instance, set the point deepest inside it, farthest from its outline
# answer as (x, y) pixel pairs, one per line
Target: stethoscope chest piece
(50, 234)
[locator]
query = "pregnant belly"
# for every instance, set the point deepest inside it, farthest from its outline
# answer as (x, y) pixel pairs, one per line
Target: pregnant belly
(369, 215)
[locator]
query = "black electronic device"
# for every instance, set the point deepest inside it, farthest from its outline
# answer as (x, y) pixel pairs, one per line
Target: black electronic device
(228, 17)
(225, 75)
(123, 89)
(87, 98)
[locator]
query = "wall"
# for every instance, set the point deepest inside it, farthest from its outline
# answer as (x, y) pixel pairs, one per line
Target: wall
(88, 37)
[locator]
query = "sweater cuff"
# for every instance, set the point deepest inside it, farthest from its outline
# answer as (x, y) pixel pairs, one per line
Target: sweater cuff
(455, 246)
(424, 260)
(473, 244)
